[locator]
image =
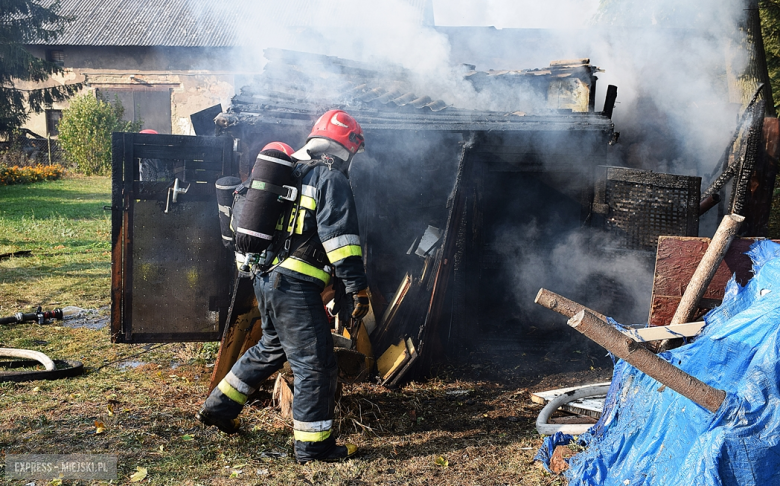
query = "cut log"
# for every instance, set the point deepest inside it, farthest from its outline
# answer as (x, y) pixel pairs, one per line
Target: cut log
(560, 304)
(645, 361)
(707, 267)
(283, 394)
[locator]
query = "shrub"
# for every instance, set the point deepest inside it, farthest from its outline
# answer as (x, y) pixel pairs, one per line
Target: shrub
(26, 175)
(85, 132)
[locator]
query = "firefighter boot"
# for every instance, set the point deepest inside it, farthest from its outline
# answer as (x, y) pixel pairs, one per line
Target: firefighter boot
(325, 451)
(225, 424)
(222, 408)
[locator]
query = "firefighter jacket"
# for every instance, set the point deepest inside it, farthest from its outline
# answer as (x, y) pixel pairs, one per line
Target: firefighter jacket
(324, 227)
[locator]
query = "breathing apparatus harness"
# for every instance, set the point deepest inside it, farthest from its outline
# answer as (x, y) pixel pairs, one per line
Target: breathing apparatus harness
(281, 246)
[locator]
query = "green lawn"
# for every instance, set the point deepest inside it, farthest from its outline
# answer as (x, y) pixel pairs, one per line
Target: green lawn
(146, 396)
(65, 227)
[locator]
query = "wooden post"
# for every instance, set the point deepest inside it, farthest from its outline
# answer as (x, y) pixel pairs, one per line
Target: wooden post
(561, 305)
(645, 361)
(707, 267)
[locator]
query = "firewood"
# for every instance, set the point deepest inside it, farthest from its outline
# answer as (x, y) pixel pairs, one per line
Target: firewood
(560, 304)
(645, 361)
(707, 267)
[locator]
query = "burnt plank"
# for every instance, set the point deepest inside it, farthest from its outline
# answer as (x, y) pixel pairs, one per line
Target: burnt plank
(676, 261)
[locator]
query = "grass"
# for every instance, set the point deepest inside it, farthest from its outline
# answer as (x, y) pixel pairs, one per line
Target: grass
(65, 227)
(146, 395)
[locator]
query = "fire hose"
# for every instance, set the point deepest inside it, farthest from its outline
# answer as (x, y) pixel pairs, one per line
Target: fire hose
(53, 369)
(52, 372)
(573, 429)
(38, 316)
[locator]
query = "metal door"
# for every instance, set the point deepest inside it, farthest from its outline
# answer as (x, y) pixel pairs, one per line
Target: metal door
(170, 273)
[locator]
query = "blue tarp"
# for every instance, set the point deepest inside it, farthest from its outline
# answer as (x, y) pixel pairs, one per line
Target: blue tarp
(651, 435)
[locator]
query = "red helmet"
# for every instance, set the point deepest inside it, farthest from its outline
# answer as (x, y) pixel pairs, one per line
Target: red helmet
(280, 146)
(149, 130)
(339, 126)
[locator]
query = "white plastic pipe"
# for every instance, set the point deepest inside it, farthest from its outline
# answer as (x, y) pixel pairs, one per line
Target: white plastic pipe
(26, 353)
(572, 429)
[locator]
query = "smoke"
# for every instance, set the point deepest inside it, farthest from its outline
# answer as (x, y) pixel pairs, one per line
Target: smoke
(671, 61)
(582, 264)
(523, 14)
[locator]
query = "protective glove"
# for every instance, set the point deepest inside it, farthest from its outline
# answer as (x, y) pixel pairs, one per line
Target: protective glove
(360, 301)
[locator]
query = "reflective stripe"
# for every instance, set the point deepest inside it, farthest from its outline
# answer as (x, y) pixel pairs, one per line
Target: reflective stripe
(298, 221)
(310, 191)
(239, 385)
(224, 209)
(274, 160)
(232, 393)
(308, 202)
(344, 252)
(340, 241)
(225, 188)
(262, 236)
(302, 267)
(311, 436)
(320, 426)
(228, 238)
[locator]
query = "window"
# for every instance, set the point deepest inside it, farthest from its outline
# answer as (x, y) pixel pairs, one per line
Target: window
(57, 57)
(52, 122)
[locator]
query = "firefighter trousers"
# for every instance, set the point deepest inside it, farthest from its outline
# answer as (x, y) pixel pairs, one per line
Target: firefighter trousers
(295, 329)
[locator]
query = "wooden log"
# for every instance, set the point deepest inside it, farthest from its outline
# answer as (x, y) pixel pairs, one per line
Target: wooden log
(283, 394)
(645, 361)
(707, 267)
(560, 304)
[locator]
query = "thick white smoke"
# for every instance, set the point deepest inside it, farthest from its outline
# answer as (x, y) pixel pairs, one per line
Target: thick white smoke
(671, 61)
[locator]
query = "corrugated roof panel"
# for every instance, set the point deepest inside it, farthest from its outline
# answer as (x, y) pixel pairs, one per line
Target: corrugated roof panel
(193, 23)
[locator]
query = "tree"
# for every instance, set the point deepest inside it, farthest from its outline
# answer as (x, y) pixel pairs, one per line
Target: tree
(85, 132)
(23, 22)
(770, 28)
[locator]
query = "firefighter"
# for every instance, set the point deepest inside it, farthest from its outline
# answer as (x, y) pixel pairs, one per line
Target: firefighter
(323, 243)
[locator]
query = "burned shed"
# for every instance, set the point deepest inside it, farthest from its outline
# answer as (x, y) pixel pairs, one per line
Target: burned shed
(451, 198)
